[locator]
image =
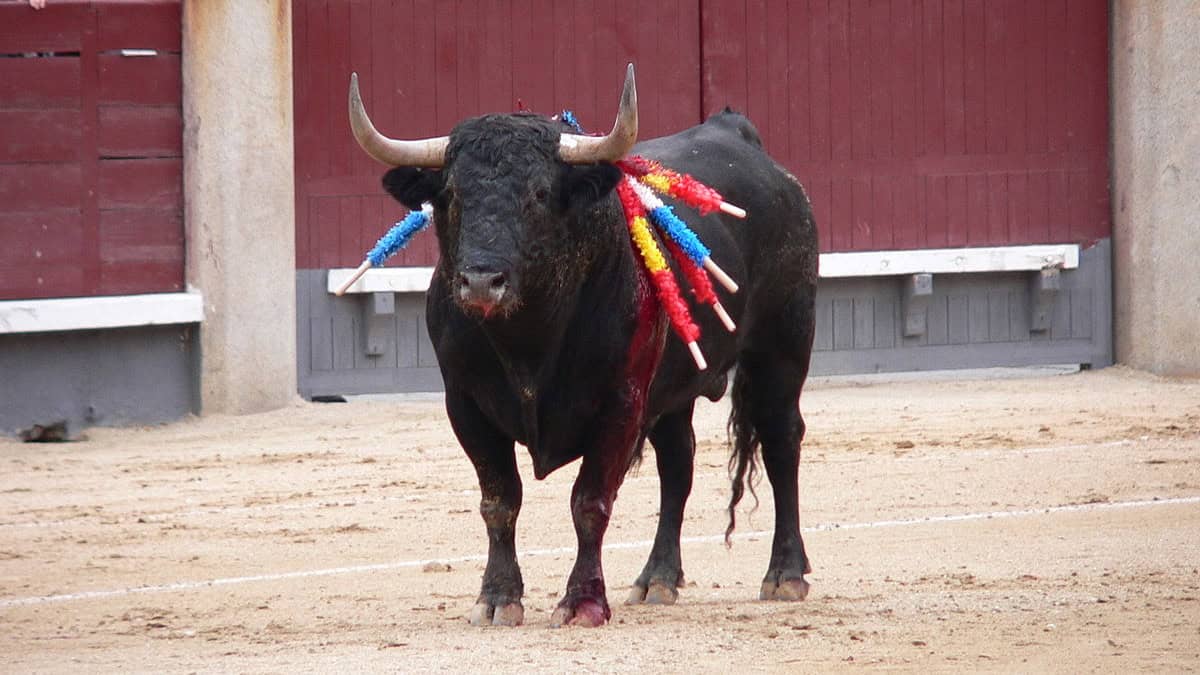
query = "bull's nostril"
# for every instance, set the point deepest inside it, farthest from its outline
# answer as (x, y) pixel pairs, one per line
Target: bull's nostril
(482, 287)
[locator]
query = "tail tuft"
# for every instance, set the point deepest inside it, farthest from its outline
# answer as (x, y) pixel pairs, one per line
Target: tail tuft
(743, 462)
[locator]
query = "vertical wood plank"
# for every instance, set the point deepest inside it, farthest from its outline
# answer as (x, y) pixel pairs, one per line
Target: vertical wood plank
(843, 323)
(975, 89)
(933, 85)
(955, 74)
(958, 319)
(819, 102)
(881, 83)
(840, 112)
(860, 49)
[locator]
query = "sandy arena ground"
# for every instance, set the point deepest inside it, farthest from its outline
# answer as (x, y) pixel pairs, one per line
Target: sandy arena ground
(1019, 525)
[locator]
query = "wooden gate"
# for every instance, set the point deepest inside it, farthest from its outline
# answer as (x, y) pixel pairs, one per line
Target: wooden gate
(926, 123)
(914, 124)
(91, 199)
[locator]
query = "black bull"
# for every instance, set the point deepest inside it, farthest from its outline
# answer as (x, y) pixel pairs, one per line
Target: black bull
(548, 334)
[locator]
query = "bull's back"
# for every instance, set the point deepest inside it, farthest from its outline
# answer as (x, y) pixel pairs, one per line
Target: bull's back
(772, 253)
(778, 238)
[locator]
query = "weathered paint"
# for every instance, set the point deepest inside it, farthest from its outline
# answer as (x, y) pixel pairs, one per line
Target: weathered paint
(91, 196)
(926, 123)
(1156, 180)
(912, 123)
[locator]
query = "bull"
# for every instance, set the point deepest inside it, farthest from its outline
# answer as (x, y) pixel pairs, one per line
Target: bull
(548, 333)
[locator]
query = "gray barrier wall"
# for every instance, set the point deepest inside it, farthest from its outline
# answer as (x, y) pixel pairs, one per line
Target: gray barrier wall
(367, 344)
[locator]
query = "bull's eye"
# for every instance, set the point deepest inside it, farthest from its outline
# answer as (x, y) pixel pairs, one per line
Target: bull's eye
(541, 195)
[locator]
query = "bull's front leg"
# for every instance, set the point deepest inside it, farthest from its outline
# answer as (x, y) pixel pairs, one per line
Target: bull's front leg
(595, 490)
(495, 464)
(605, 462)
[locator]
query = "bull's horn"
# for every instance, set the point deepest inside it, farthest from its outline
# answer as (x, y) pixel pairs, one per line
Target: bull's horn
(585, 149)
(429, 153)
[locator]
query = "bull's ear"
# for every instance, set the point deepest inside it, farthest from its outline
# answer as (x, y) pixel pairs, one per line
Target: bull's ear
(585, 185)
(412, 186)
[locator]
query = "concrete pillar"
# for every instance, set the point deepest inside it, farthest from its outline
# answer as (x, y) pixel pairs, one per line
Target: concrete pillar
(1156, 184)
(240, 199)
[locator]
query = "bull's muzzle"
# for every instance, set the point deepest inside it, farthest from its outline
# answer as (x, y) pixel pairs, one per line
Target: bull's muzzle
(482, 290)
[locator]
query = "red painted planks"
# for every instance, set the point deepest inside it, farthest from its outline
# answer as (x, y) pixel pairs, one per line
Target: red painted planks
(797, 96)
(997, 209)
(936, 212)
(140, 131)
(39, 83)
(143, 80)
(933, 108)
(941, 108)
(954, 84)
(925, 121)
(1037, 95)
(881, 83)
(904, 79)
(42, 237)
(141, 183)
(841, 228)
(140, 277)
(859, 94)
(39, 135)
(997, 42)
(1058, 74)
(724, 81)
(23, 29)
(153, 24)
(141, 235)
(141, 250)
(882, 218)
(975, 84)
(31, 187)
(31, 282)
(819, 98)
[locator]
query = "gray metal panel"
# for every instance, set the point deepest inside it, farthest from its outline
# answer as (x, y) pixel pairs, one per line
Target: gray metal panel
(972, 320)
(979, 320)
(332, 356)
(142, 375)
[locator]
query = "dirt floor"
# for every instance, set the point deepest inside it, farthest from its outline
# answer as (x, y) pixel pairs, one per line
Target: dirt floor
(1036, 524)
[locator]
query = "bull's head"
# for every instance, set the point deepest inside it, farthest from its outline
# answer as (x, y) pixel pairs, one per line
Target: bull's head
(516, 199)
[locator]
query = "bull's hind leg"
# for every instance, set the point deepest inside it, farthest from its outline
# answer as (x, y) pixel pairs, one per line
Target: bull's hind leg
(767, 390)
(495, 464)
(674, 452)
(766, 411)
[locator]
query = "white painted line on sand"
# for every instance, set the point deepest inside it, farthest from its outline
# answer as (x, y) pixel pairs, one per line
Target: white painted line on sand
(93, 519)
(716, 538)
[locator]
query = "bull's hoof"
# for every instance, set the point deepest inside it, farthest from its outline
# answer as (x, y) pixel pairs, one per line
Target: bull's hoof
(656, 594)
(586, 613)
(484, 614)
(788, 590)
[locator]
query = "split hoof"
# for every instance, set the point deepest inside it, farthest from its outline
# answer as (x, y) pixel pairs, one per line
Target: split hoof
(788, 590)
(484, 614)
(655, 594)
(586, 613)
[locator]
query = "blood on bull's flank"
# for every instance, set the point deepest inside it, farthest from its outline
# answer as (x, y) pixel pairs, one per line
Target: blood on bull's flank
(551, 323)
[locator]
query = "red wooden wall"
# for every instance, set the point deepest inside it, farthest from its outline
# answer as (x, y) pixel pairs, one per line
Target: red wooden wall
(424, 65)
(90, 149)
(926, 123)
(913, 123)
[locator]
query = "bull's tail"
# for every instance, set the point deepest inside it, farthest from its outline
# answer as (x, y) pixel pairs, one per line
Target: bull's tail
(743, 463)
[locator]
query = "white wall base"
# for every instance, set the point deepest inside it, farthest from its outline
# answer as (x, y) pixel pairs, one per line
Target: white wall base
(114, 311)
(833, 265)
